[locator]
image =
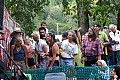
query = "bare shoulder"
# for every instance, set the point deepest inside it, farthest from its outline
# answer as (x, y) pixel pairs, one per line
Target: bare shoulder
(55, 45)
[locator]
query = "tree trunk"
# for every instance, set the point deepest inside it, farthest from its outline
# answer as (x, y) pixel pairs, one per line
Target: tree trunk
(118, 20)
(83, 19)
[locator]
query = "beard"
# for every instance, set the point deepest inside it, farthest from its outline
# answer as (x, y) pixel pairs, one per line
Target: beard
(20, 37)
(42, 36)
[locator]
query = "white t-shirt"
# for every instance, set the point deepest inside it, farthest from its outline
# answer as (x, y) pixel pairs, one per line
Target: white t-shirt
(115, 37)
(68, 49)
(39, 46)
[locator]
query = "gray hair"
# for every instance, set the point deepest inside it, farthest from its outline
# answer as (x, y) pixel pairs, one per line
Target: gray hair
(113, 26)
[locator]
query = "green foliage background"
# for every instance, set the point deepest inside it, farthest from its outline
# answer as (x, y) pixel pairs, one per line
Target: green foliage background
(30, 13)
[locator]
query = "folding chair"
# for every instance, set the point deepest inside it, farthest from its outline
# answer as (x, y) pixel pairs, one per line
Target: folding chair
(55, 76)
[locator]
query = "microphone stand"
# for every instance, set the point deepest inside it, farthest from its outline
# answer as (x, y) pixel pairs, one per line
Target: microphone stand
(22, 73)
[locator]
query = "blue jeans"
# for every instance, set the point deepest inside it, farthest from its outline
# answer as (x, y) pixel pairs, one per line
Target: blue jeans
(117, 57)
(42, 63)
(111, 58)
(69, 62)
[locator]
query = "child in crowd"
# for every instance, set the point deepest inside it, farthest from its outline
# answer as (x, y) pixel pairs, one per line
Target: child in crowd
(115, 74)
(104, 70)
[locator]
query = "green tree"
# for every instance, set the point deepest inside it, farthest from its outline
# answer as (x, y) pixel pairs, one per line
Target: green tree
(106, 12)
(115, 8)
(83, 13)
(82, 8)
(56, 15)
(101, 12)
(24, 12)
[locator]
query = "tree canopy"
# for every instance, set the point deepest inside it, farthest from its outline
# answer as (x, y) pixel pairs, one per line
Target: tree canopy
(69, 14)
(24, 12)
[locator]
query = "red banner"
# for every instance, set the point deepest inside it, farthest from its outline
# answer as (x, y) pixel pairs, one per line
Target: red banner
(8, 25)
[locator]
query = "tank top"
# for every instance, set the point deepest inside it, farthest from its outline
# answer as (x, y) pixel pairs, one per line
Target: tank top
(19, 55)
(30, 51)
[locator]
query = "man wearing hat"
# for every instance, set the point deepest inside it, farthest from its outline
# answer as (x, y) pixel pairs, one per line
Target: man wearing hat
(17, 33)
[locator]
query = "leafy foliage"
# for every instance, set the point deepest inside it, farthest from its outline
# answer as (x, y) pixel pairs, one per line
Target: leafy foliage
(24, 12)
(67, 13)
(55, 15)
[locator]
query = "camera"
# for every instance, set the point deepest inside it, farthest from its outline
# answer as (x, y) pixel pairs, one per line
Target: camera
(113, 42)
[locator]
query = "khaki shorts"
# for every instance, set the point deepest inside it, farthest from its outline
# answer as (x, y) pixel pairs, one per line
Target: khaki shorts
(21, 64)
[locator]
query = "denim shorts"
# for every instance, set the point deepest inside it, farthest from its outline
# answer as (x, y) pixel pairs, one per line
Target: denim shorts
(67, 62)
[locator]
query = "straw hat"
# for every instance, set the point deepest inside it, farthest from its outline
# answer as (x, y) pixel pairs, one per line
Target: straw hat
(16, 30)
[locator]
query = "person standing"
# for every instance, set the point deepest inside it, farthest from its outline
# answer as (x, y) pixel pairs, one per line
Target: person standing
(104, 38)
(17, 33)
(91, 48)
(30, 53)
(42, 33)
(69, 49)
(41, 50)
(115, 35)
(54, 50)
(19, 54)
(109, 47)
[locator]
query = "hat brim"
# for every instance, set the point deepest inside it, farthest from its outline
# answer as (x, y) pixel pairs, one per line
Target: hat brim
(18, 31)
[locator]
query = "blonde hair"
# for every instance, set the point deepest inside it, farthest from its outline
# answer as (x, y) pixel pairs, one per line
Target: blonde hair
(102, 62)
(36, 34)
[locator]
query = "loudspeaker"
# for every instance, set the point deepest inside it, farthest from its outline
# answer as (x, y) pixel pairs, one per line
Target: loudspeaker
(1, 13)
(2, 69)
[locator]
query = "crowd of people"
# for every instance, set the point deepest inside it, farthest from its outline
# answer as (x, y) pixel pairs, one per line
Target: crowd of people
(97, 44)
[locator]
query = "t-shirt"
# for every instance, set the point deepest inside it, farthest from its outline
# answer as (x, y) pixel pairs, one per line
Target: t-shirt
(116, 37)
(68, 49)
(103, 36)
(39, 46)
